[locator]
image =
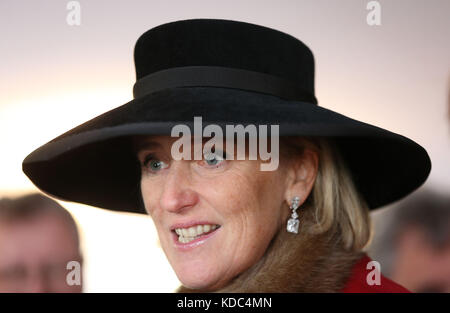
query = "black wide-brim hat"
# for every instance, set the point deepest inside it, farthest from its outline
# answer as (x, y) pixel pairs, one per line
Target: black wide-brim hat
(229, 73)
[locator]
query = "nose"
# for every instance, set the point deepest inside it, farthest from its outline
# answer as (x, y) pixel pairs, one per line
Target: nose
(177, 194)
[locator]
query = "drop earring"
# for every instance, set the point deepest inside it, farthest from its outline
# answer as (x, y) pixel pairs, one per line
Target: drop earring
(292, 224)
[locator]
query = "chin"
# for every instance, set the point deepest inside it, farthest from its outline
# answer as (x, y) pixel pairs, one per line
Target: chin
(197, 278)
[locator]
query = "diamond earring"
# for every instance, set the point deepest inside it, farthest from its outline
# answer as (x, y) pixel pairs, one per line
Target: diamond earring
(292, 224)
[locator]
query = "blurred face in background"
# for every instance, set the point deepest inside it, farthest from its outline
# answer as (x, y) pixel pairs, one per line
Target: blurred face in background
(34, 254)
(420, 266)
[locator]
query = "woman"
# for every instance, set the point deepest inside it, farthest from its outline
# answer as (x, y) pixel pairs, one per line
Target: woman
(224, 223)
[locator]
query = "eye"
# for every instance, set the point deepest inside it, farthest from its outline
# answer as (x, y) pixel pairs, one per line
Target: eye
(214, 158)
(153, 164)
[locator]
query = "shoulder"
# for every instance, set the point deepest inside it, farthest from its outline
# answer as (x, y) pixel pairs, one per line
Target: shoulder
(367, 278)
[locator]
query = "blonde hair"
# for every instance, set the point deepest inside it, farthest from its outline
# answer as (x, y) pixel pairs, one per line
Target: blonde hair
(337, 204)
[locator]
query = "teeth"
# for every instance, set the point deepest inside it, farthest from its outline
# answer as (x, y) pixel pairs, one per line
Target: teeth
(186, 235)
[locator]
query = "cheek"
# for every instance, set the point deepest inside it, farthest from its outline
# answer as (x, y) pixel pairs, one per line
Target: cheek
(261, 193)
(272, 208)
(268, 214)
(237, 191)
(251, 203)
(149, 192)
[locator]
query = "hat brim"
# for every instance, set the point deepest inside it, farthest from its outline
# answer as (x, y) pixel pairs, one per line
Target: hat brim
(94, 163)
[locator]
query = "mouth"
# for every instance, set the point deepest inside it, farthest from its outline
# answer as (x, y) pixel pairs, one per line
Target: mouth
(194, 233)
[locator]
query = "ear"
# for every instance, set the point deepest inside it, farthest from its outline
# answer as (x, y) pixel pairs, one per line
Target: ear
(302, 174)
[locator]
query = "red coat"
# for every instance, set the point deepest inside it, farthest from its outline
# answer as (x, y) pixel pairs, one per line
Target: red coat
(358, 284)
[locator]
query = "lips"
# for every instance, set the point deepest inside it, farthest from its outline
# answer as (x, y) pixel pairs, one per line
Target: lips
(186, 234)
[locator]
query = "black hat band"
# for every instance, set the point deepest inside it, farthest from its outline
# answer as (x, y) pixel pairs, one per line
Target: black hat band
(215, 76)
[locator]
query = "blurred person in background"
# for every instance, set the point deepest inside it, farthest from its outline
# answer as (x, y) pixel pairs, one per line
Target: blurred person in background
(415, 248)
(38, 237)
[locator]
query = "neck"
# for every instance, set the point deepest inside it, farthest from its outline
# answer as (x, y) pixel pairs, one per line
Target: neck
(300, 262)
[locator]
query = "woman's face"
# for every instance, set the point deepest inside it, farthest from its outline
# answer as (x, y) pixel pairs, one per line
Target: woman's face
(214, 217)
